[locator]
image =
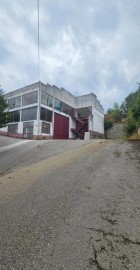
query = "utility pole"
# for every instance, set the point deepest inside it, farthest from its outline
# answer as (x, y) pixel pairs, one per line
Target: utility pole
(39, 92)
(38, 43)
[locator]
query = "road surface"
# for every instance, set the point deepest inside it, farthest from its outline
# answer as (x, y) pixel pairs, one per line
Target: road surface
(75, 209)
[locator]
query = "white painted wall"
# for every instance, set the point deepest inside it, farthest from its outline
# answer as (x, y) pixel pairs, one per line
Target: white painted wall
(72, 124)
(90, 123)
(4, 129)
(20, 127)
(98, 121)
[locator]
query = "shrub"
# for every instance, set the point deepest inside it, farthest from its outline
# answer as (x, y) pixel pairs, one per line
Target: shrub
(107, 124)
(130, 127)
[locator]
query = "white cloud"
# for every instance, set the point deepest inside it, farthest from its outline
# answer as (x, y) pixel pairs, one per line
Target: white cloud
(83, 48)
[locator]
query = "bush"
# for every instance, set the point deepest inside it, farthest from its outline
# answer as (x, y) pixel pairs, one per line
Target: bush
(107, 124)
(130, 128)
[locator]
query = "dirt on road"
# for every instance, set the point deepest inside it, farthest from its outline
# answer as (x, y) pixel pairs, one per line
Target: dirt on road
(77, 210)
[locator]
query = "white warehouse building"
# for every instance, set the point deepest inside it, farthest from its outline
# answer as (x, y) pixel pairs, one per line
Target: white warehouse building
(44, 111)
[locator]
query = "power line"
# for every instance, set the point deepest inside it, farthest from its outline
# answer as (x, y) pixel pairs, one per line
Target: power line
(111, 11)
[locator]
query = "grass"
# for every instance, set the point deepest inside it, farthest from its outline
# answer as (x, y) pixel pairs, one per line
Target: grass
(135, 136)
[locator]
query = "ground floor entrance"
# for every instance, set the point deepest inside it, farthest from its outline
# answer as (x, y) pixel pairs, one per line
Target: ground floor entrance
(61, 126)
(28, 128)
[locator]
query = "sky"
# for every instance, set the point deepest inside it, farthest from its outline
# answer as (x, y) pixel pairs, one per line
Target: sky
(85, 46)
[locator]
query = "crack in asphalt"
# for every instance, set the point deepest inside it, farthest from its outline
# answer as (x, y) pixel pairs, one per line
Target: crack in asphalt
(126, 240)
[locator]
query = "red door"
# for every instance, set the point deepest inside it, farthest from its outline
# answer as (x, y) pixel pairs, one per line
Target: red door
(61, 126)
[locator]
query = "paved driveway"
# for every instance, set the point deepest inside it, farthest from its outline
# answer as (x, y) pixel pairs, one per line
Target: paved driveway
(4, 140)
(74, 210)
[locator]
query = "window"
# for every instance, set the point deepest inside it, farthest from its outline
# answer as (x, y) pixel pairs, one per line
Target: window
(46, 99)
(58, 105)
(67, 109)
(49, 116)
(13, 129)
(14, 102)
(29, 114)
(46, 115)
(50, 101)
(45, 128)
(14, 116)
(30, 98)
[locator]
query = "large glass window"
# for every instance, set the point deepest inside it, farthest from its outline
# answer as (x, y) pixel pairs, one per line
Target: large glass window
(58, 105)
(14, 102)
(13, 129)
(50, 101)
(46, 99)
(30, 98)
(29, 114)
(14, 116)
(67, 109)
(46, 115)
(45, 128)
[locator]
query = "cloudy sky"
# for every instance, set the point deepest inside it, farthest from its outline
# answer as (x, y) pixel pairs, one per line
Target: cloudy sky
(85, 46)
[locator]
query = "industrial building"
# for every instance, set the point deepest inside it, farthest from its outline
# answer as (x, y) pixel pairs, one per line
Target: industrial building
(42, 111)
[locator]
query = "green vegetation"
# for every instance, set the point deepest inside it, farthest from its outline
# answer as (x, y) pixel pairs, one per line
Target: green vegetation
(113, 115)
(3, 113)
(128, 112)
(107, 124)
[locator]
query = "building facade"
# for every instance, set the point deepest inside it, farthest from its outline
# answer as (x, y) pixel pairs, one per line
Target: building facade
(42, 111)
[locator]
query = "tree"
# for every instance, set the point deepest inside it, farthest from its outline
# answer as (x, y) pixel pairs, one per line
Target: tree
(114, 114)
(130, 101)
(3, 113)
(107, 124)
(133, 112)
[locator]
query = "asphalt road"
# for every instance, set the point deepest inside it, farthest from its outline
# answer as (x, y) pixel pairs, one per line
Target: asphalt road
(76, 209)
(15, 153)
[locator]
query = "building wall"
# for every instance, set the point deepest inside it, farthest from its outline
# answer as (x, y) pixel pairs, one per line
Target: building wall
(4, 130)
(85, 100)
(95, 121)
(89, 100)
(90, 123)
(60, 94)
(98, 121)
(72, 124)
(24, 90)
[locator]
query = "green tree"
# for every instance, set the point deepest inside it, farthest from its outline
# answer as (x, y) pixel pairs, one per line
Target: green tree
(130, 101)
(3, 113)
(133, 112)
(107, 124)
(114, 114)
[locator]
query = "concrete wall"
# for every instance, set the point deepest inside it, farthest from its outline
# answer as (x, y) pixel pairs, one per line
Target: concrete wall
(4, 130)
(60, 94)
(89, 100)
(90, 123)
(21, 91)
(98, 121)
(72, 124)
(85, 100)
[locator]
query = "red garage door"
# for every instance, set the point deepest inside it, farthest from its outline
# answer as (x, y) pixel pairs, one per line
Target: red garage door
(61, 126)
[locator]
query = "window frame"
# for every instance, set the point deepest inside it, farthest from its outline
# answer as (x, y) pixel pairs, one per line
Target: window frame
(29, 98)
(11, 125)
(47, 125)
(24, 119)
(12, 106)
(12, 120)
